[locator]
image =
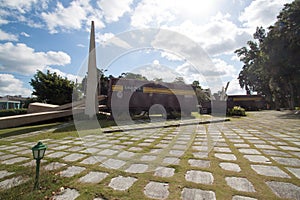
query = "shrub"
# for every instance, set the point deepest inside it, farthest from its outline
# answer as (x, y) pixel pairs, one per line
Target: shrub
(237, 111)
(11, 112)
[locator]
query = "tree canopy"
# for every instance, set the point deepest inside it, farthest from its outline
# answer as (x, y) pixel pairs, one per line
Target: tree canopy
(272, 60)
(52, 88)
(129, 75)
(179, 80)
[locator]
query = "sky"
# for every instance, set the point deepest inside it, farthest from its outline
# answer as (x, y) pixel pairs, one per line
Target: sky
(164, 39)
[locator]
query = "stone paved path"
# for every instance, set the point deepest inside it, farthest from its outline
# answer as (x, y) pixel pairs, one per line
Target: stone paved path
(256, 157)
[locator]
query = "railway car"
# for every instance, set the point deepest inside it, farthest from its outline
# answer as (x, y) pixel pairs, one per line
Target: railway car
(248, 102)
(139, 96)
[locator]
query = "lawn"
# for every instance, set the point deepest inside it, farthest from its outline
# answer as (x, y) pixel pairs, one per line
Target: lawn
(52, 182)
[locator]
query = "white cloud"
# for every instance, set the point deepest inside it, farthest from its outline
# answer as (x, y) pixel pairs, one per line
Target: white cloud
(21, 6)
(170, 56)
(219, 35)
(102, 38)
(65, 18)
(3, 21)
(24, 60)
(152, 13)
(155, 13)
(72, 17)
(155, 70)
(9, 85)
(261, 13)
(224, 69)
(8, 36)
(111, 39)
(114, 9)
(190, 73)
(25, 34)
(80, 45)
(234, 88)
(70, 77)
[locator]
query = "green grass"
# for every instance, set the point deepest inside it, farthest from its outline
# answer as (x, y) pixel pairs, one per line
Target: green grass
(49, 183)
(25, 129)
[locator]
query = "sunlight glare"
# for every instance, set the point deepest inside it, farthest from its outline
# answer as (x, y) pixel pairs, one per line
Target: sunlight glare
(196, 8)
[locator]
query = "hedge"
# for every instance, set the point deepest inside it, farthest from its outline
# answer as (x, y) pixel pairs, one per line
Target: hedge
(11, 112)
(237, 111)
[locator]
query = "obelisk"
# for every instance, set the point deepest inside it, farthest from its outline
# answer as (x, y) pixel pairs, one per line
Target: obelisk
(91, 100)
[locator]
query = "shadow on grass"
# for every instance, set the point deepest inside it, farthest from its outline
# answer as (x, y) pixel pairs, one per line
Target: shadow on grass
(86, 125)
(25, 129)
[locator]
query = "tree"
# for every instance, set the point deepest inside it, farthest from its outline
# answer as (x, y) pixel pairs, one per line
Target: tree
(271, 63)
(129, 75)
(102, 82)
(52, 88)
(196, 84)
(158, 79)
(282, 45)
(179, 80)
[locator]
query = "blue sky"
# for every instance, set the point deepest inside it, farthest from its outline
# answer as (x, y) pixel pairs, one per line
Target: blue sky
(54, 35)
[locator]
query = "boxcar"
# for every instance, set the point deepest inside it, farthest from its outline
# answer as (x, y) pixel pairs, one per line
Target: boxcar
(137, 96)
(249, 102)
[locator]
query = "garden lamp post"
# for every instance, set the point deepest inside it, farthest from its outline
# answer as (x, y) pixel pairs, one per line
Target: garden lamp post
(38, 152)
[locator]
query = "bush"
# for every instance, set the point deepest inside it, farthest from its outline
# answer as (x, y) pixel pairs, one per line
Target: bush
(237, 111)
(11, 112)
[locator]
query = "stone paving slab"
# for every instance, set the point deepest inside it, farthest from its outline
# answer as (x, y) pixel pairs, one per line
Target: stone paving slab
(126, 154)
(71, 171)
(240, 184)
(224, 156)
(287, 161)
(4, 173)
(199, 163)
(32, 163)
(4, 157)
(284, 190)
(12, 182)
(148, 158)
(57, 154)
(257, 159)
(295, 171)
(267, 170)
(54, 166)
(197, 194)
(122, 183)
(157, 190)
(230, 166)
(275, 153)
(199, 177)
(249, 151)
(137, 168)
(113, 163)
(67, 194)
(107, 152)
(93, 177)
(14, 160)
(73, 157)
(164, 172)
(93, 160)
(238, 197)
(171, 160)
